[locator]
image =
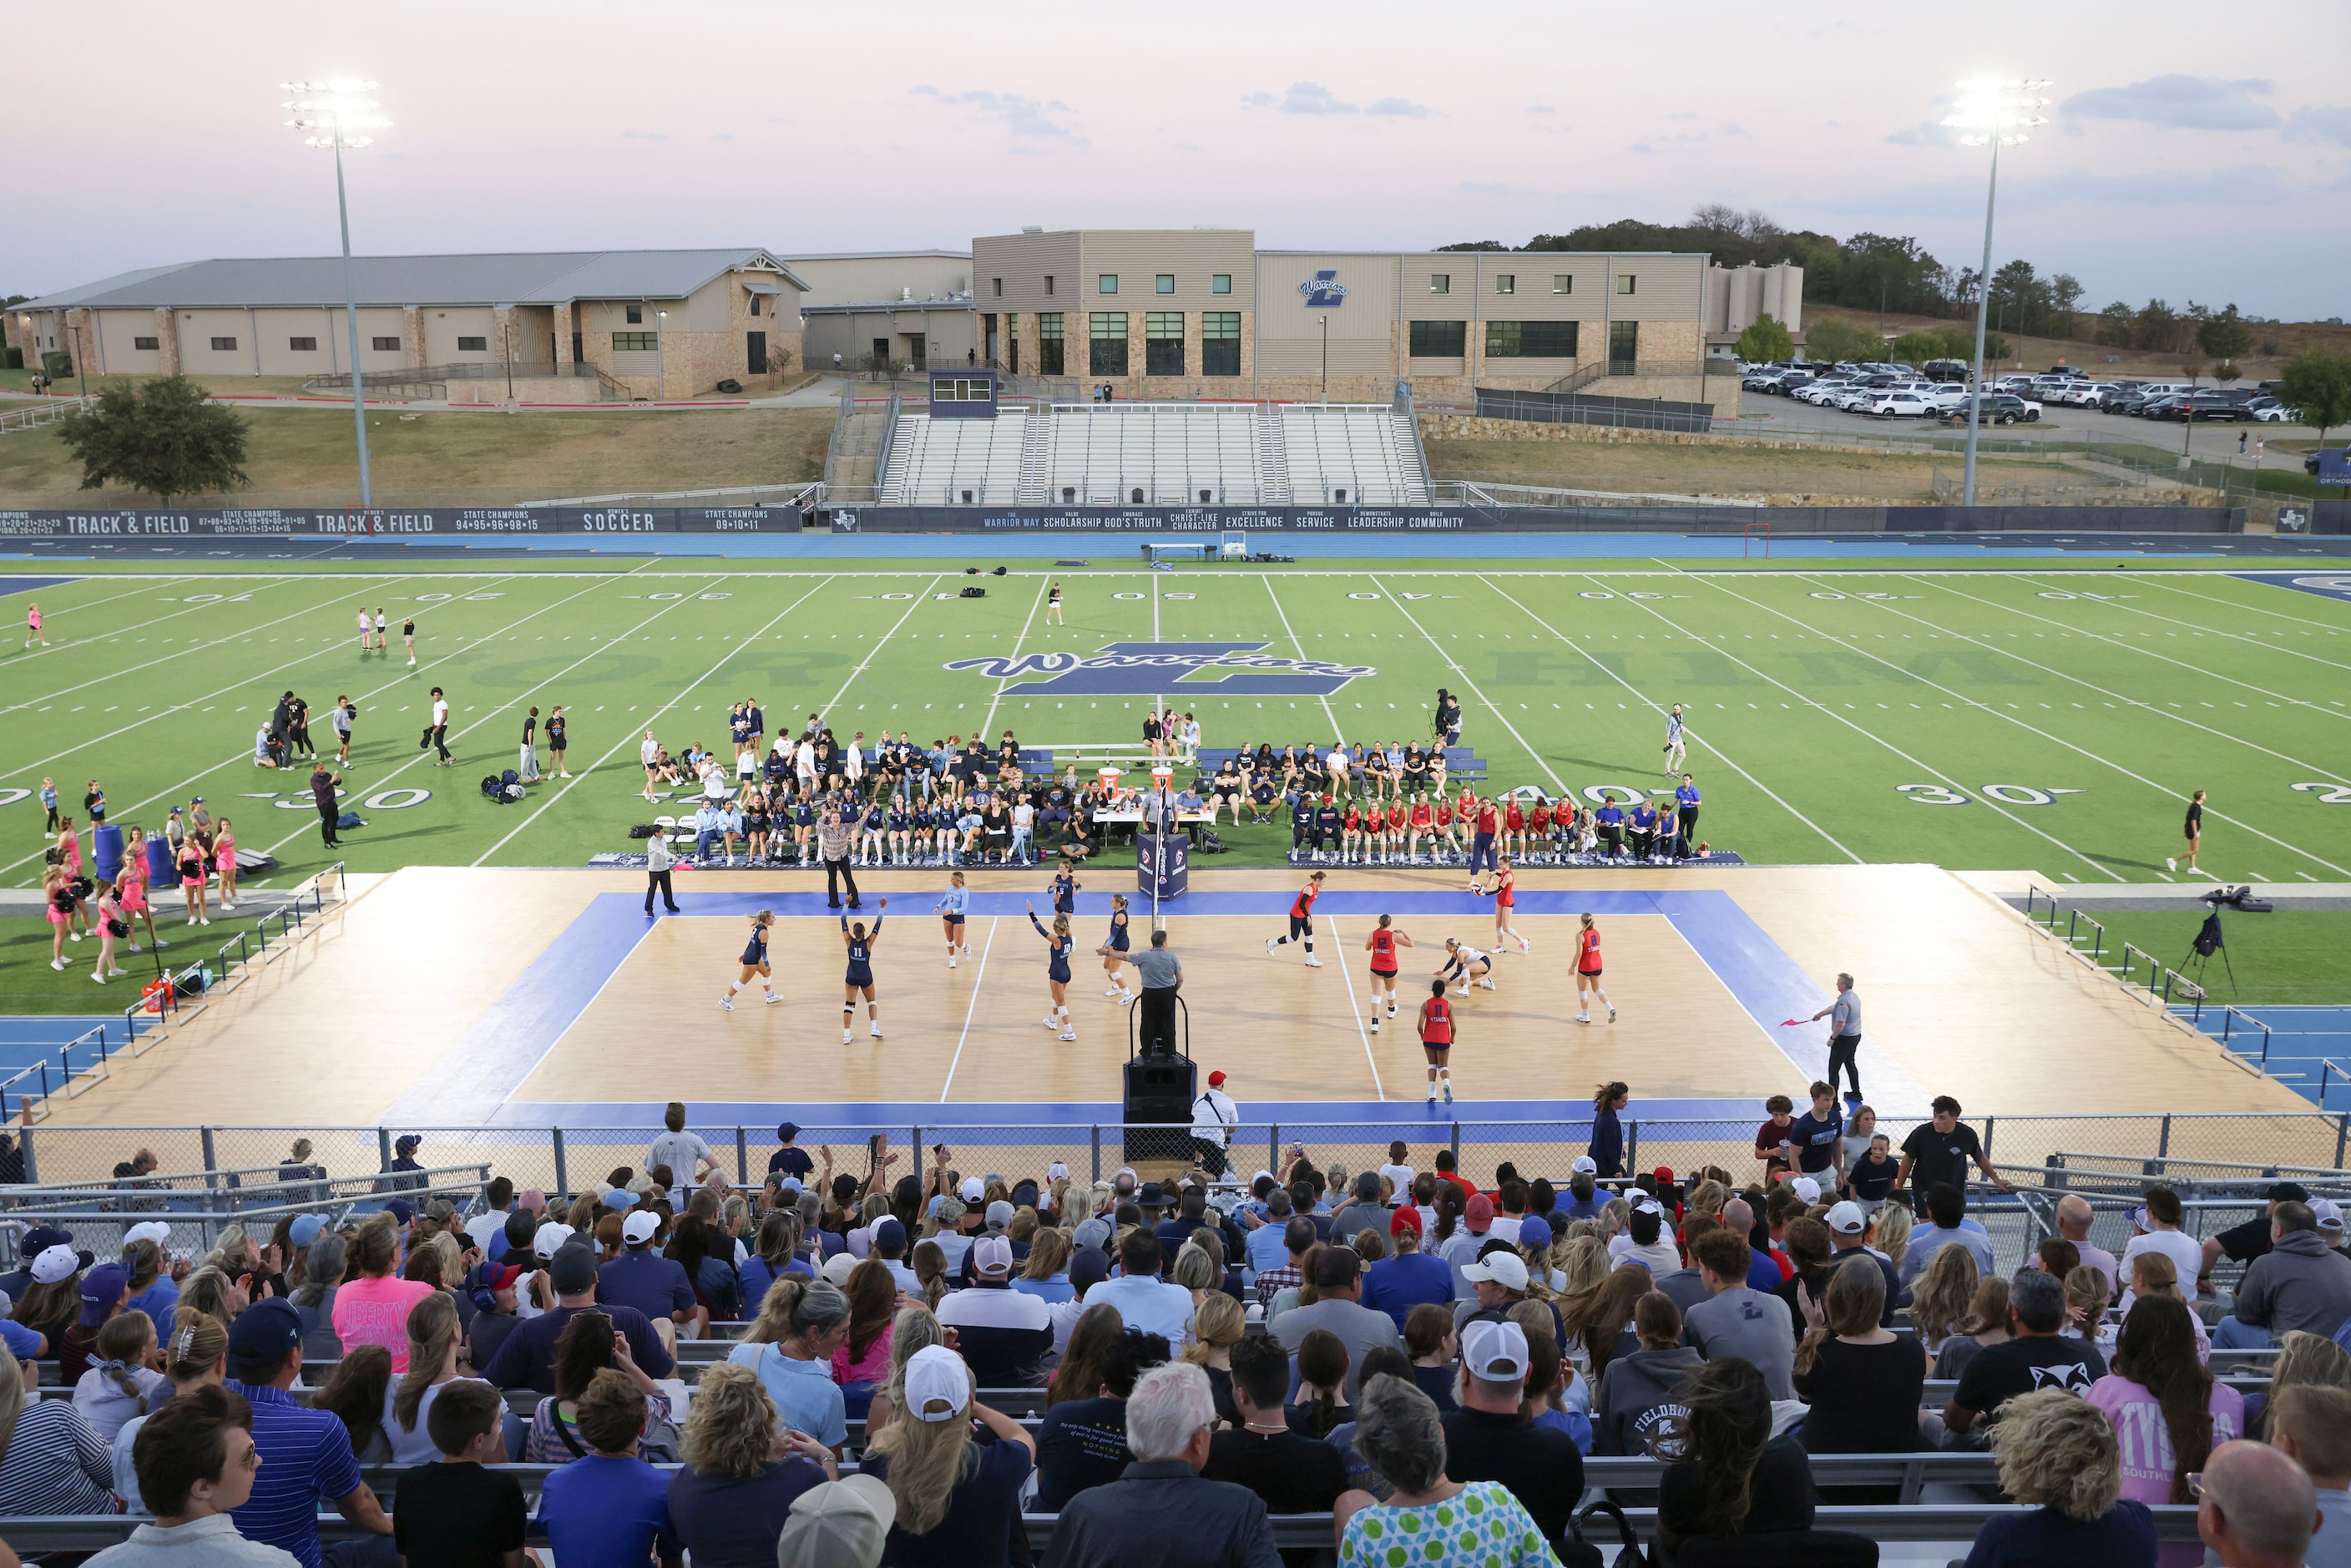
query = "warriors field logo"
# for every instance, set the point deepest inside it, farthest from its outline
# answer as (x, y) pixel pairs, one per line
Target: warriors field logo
(1148, 669)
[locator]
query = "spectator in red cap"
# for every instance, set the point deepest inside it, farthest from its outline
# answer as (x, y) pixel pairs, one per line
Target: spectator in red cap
(1396, 1284)
(1461, 1248)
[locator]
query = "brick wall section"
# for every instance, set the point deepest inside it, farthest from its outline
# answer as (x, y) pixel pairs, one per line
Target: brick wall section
(412, 337)
(562, 317)
(167, 340)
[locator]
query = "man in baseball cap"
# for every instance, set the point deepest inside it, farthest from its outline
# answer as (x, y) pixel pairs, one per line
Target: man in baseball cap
(1004, 1334)
(642, 1278)
(103, 1290)
(790, 1159)
(527, 1359)
(838, 1524)
(1845, 1226)
(1487, 1439)
(305, 1453)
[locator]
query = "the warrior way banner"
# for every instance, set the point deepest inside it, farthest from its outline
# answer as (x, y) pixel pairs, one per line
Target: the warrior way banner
(1148, 669)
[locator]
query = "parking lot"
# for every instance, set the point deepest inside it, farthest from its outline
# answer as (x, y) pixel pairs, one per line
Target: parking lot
(1764, 413)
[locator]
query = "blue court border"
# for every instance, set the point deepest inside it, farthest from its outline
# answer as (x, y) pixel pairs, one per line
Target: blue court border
(474, 1080)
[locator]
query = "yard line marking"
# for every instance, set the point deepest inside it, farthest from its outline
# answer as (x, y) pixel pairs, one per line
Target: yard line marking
(2180, 719)
(83, 608)
(1692, 733)
(493, 710)
(1823, 707)
(2235, 604)
(987, 725)
(1347, 986)
(920, 599)
(978, 977)
(1557, 782)
(196, 779)
(692, 687)
(1290, 632)
(174, 658)
(1987, 707)
(2201, 669)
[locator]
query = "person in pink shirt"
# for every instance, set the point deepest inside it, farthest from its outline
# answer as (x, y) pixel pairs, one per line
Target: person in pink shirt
(2169, 1412)
(872, 1293)
(225, 863)
(373, 1303)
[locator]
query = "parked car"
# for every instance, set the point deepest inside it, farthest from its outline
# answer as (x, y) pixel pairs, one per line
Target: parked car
(2208, 406)
(1944, 370)
(2272, 412)
(1999, 408)
(2081, 394)
(1896, 405)
(2155, 405)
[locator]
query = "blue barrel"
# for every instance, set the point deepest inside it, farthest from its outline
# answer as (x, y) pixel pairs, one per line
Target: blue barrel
(161, 870)
(106, 851)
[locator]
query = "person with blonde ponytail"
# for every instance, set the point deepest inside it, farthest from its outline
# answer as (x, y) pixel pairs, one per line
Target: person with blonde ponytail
(193, 1354)
(435, 1337)
(123, 1376)
(957, 1500)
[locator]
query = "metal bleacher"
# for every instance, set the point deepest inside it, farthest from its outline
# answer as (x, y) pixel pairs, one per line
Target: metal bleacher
(956, 462)
(1161, 455)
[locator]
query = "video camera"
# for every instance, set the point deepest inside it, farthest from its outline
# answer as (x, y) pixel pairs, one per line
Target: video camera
(2238, 898)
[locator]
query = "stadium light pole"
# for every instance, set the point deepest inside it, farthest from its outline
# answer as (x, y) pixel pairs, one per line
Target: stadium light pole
(335, 113)
(1994, 111)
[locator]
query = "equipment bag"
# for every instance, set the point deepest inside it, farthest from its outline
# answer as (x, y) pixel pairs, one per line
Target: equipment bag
(1576, 1552)
(349, 820)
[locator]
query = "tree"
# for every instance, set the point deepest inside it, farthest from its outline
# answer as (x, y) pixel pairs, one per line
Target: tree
(168, 438)
(2317, 383)
(1840, 338)
(2224, 337)
(1934, 344)
(2117, 327)
(2157, 325)
(2064, 299)
(1475, 244)
(1765, 341)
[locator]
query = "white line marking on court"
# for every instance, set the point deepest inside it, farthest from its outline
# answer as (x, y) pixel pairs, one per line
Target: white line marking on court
(493, 710)
(196, 779)
(1557, 782)
(1339, 962)
(979, 976)
(1290, 632)
(987, 725)
(581, 777)
(1707, 641)
(1987, 707)
(1688, 731)
(2089, 685)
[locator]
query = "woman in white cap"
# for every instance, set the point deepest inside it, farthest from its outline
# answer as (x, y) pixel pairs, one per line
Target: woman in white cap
(154, 1290)
(956, 1500)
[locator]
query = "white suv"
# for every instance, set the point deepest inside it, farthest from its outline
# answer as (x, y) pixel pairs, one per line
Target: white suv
(1895, 402)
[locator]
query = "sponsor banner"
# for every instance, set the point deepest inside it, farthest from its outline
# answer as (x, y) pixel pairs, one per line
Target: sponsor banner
(389, 522)
(1050, 520)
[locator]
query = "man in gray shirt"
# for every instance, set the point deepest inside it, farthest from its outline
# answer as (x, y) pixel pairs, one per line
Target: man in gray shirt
(1735, 1320)
(1844, 1035)
(1364, 1212)
(1162, 976)
(1338, 1284)
(833, 839)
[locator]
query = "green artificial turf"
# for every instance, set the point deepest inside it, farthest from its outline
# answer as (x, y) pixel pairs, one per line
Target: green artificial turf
(1829, 708)
(2287, 957)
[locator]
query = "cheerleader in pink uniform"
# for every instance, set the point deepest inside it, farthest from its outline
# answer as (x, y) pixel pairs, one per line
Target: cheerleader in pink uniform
(192, 880)
(134, 889)
(225, 863)
(57, 892)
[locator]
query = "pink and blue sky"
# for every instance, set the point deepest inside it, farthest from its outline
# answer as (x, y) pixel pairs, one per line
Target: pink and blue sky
(2198, 152)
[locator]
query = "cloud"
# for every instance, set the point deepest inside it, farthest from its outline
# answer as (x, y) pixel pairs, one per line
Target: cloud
(643, 136)
(1021, 117)
(1642, 149)
(2180, 103)
(2332, 125)
(1303, 98)
(721, 136)
(1926, 133)
(1540, 109)
(2243, 185)
(1485, 188)
(1397, 108)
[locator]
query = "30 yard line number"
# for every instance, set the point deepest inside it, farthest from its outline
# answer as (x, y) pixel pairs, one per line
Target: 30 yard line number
(2006, 794)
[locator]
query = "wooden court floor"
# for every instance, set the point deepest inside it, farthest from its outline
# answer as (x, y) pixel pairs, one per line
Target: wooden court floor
(397, 1005)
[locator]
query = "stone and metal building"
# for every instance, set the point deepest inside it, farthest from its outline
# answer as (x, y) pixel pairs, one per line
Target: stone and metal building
(871, 309)
(574, 325)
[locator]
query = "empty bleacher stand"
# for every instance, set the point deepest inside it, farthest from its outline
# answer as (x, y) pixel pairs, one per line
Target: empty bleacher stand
(1160, 454)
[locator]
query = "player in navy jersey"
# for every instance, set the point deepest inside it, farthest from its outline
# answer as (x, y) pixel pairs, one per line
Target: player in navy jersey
(860, 979)
(869, 842)
(1065, 892)
(1058, 944)
(754, 962)
(804, 828)
(901, 823)
(1113, 951)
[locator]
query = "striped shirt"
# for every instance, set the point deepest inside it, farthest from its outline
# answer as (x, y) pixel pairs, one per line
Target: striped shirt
(305, 1456)
(56, 1463)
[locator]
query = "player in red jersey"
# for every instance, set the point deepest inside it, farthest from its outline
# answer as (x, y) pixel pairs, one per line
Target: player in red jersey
(1506, 899)
(1587, 974)
(1375, 832)
(1423, 824)
(1444, 826)
(1301, 921)
(1514, 827)
(1350, 837)
(1437, 1041)
(1383, 945)
(1539, 826)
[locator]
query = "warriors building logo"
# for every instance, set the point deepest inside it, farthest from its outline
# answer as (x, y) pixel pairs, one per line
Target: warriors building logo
(1325, 288)
(1149, 669)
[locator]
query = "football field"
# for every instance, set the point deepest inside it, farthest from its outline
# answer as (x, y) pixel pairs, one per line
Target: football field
(2047, 718)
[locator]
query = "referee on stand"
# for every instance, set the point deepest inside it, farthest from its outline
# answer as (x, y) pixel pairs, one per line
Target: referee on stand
(1844, 1035)
(1162, 976)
